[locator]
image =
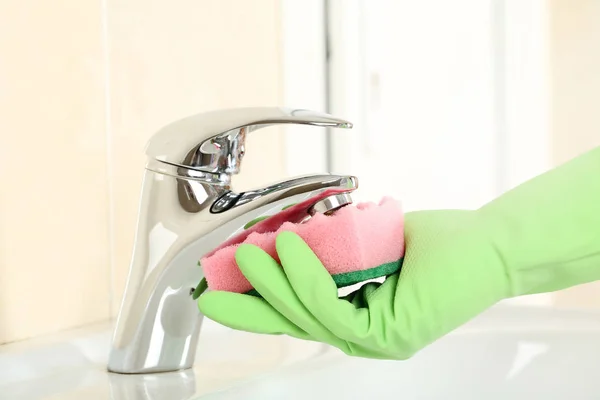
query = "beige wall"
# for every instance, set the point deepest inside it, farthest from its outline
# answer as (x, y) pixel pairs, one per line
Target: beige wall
(77, 108)
(53, 206)
(575, 52)
(575, 64)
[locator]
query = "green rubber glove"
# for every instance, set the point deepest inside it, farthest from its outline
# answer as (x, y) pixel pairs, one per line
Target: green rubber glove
(542, 236)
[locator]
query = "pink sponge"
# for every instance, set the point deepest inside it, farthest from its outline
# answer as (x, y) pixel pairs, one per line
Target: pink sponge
(355, 244)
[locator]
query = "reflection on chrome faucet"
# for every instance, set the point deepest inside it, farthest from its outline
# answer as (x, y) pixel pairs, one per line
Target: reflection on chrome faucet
(187, 209)
(179, 385)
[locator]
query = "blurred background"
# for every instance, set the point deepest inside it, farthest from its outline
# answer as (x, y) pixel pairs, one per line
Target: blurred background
(454, 102)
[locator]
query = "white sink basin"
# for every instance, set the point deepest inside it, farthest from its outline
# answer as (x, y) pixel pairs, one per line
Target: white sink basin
(506, 353)
(72, 365)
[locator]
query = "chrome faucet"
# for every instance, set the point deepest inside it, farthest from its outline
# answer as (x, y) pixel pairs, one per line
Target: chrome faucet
(187, 209)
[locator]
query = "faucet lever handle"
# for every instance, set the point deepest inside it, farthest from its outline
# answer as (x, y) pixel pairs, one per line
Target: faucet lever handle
(213, 142)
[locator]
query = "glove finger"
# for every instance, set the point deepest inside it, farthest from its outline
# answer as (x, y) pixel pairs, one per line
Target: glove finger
(255, 221)
(316, 289)
(247, 313)
(362, 319)
(255, 315)
(268, 279)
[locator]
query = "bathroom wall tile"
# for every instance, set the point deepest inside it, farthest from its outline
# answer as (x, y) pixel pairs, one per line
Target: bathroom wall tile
(53, 220)
(583, 296)
(575, 35)
(173, 59)
(575, 52)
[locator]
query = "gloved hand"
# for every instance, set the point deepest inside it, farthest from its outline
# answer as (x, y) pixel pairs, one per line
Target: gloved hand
(542, 236)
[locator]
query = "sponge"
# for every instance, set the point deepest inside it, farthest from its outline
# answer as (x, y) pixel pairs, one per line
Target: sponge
(356, 243)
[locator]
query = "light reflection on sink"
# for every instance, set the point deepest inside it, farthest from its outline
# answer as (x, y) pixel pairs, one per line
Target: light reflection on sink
(506, 353)
(73, 366)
